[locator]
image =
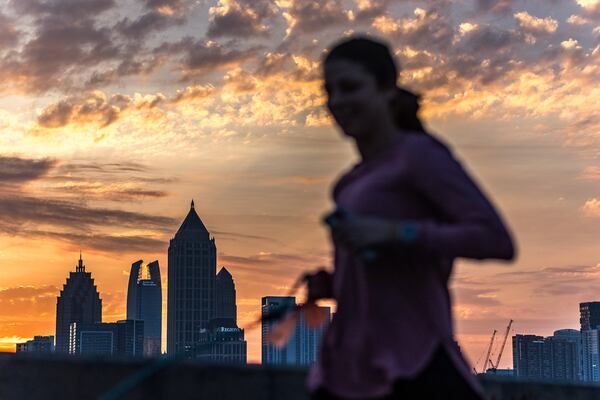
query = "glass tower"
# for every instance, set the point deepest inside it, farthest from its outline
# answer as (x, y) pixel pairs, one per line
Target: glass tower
(144, 303)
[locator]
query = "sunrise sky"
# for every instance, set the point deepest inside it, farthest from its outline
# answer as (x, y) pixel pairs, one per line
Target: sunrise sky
(115, 114)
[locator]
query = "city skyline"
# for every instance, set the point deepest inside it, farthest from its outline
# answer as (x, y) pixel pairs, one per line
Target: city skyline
(113, 115)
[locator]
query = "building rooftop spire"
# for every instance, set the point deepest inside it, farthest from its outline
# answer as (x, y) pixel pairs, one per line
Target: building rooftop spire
(80, 267)
(192, 222)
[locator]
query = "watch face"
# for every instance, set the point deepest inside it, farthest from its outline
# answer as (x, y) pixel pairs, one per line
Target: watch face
(408, 232)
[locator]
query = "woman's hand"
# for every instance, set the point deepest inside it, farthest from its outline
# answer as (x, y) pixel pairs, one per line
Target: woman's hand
(363, 232)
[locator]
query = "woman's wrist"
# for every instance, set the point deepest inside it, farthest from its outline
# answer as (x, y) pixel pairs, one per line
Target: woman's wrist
(404, 233)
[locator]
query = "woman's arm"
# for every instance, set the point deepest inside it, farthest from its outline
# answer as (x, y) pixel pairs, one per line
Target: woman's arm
(471, 227)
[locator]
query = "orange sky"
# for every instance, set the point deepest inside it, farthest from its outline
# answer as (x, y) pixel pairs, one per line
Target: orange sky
(114, 116)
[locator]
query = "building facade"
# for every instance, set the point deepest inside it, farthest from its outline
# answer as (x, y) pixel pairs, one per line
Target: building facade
(225, 304)
(589, 315)
(39, 344)
(144, 303)
(192, 258)
(222, 342)
(553, 358)
(79, 301)
(303, 346)
(122, 338)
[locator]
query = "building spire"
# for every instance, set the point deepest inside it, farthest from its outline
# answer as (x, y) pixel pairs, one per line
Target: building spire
(80, 267)
(192, 204)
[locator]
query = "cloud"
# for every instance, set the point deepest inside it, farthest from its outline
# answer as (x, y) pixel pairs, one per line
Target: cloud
(495, 6)
(9, 35)
(578, 20)
(194, 92)
(19, 170)
(70, 9)
(536, 25)
(591, 173)
(106, 243)
(311, 16)
(156, 20)
(94, 107)
(21, 210)
(28, 301)
(202, 57)
(241, 19)
(63, 45)
(591, 208)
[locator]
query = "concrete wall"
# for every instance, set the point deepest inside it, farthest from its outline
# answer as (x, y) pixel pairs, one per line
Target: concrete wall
(35, 377)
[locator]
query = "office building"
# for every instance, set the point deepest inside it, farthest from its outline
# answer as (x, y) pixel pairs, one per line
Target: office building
(122, 338)
(79, 301)
(39, 344)
(144, 303)
(553, 358)
(225, 296)
(589, 315)
(192, 258)
(303, 346)
(222, 342)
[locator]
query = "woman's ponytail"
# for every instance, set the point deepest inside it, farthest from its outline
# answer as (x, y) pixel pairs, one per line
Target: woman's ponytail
(405, 108)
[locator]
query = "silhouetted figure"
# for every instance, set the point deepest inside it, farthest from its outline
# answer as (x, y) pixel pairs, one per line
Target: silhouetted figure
(405, 212)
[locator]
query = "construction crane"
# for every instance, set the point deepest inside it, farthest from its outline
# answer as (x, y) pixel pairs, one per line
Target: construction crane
(489, 351)
(495, 366)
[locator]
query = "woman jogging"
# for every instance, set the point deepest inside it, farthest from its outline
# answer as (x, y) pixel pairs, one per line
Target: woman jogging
(404, 213)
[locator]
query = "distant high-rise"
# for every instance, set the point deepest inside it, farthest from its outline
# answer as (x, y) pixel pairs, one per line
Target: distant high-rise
(303, 347)
(144, 303)
(39, 344)
(223, 341)
(225, 296)
(122, 338)
(589, 315)
(552, 358)
(270, 353)
(191, 284)
(79, 301)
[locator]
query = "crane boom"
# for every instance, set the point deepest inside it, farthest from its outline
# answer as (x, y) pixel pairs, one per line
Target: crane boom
(489, 351)
(503, 344)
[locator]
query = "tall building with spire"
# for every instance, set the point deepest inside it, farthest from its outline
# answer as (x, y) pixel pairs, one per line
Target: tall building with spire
(79, 301)
(192, 264)
(144, 303)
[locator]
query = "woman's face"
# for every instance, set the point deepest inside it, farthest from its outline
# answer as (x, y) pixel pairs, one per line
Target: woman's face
(354, 98)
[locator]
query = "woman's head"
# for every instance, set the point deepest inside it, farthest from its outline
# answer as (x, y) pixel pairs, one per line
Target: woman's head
(360, 80)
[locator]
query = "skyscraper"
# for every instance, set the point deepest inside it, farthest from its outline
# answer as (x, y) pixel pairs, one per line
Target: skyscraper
(528, 351)
(225, 296)
(144, 303)
(270, 353)
(191, 284)
(589, 315)
(303, 347)
(79, 301)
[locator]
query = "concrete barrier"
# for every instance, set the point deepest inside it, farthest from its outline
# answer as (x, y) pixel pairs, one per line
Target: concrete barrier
(32, 377)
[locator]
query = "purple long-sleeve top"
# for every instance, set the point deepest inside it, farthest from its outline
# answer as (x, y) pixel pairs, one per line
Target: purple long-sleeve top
(394, 313)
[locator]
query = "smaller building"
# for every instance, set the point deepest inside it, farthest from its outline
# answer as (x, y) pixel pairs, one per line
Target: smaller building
(122, 338)
(39, 344)
(554, 358)
(303, 346)
(222, 342)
